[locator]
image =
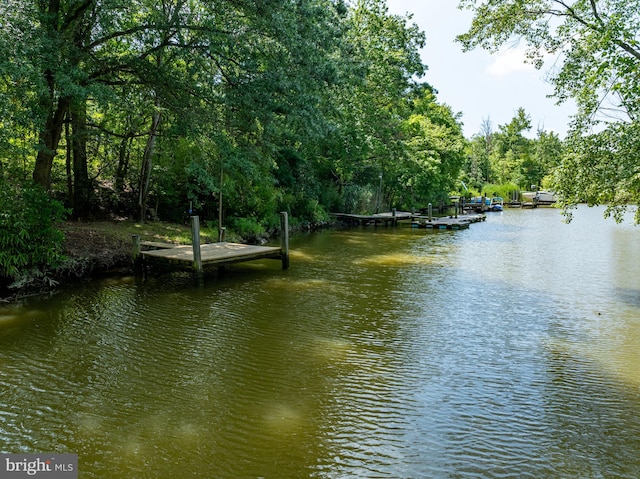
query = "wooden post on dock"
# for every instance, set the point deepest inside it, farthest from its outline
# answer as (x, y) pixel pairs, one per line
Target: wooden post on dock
(284, 239)
(455, 205)
(195, 241)
(393, 214)
(136, 256)
(430, 211)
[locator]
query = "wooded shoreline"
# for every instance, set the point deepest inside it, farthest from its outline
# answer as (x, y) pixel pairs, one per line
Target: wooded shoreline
(94, 249)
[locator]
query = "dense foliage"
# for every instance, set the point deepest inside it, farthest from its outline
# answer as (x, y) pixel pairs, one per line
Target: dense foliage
(236, 110)
(145, 107)
(509, 158)
(597, 45)
(29, 241)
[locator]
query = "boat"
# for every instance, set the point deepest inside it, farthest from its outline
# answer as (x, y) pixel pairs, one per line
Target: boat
(539, 197)
(490, 204)
(497, 204)
(475, 203)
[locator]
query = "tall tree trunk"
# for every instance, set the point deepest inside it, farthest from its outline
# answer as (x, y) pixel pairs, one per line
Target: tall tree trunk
(48, 144)
(147, 158)
(49, 136)
(123, 163)
(82, 189)
(68, 162)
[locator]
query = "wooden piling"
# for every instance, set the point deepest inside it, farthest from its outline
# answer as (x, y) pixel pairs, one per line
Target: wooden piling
(284, 239)
(195, 241)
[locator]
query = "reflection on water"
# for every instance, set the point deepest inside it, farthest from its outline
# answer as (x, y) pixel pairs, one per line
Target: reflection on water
(506, 350)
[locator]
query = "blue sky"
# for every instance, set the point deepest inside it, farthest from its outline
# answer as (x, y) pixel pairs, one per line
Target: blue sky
(477, 84)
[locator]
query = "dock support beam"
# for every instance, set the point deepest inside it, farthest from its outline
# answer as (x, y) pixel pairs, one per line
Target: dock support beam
(284, 239)
(195, 241)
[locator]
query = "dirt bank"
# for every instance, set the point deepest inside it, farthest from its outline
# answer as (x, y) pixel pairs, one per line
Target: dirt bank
(95, 248)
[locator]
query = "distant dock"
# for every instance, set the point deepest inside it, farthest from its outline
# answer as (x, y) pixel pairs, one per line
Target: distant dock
(195, 257)
(455, 222)
(379, 218)
(447, 223)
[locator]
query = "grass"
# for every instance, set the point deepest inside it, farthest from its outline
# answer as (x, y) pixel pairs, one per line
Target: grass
(99, 246)
(117, 231)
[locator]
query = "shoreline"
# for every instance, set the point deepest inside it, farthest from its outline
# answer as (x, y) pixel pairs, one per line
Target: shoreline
(101, 248)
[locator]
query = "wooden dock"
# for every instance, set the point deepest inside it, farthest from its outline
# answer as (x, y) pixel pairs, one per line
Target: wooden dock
(211, 254)
(196, 256)
(460, 222)
(456, 222)
(391, 217)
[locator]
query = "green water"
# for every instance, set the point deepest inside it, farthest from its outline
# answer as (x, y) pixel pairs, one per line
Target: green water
(511, 349)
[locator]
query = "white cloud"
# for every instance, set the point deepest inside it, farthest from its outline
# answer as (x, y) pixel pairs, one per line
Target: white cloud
(476, 83)
(509, 61)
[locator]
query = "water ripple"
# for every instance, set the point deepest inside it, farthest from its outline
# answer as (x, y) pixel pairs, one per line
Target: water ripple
(389, 354)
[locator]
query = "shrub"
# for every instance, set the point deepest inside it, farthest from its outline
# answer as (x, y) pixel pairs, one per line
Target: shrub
(248, 228)
(30, 244)
(506, 190)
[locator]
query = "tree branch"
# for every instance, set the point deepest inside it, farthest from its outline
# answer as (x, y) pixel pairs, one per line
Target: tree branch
(114, 134)
(120, 33)
(77, 13)
(596, 15)
(600, 27)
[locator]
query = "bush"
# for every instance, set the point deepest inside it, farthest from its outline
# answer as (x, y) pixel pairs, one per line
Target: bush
(358, 199)
(248, 228)
(505, 190)
(30, 244)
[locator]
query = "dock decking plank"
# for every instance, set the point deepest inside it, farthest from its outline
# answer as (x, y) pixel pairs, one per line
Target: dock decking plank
(156, 245)
(213, 253)
(195, 256)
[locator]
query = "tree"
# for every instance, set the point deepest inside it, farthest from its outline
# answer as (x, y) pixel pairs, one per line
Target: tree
(434, 150)
(381, 62)
(271, 105)
(477, 167)
(598, 48)
(250, 70)
(548, 150)
(511, 150)
(508, 157)
(603, 169)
